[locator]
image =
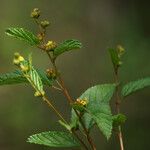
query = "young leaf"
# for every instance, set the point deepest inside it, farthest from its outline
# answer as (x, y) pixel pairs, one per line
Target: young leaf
(134, 86)
(23, 34)
(67, 46)
(114, 57)
(98, 109)
(119, 119)
(35, 79)
(54, 139)
(16, 77)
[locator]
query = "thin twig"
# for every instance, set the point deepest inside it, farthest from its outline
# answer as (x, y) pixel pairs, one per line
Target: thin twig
(118, 100)
(57, 88)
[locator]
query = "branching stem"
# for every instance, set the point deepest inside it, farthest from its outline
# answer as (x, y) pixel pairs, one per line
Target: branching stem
(70, 100)
(61, 88)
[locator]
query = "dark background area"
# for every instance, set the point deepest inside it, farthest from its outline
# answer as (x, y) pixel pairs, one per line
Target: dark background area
(98, 24)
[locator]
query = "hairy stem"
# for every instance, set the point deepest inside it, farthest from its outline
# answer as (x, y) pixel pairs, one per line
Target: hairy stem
(118, 101)
(70, 100)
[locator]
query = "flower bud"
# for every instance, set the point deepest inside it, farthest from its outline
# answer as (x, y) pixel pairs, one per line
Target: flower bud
(51, 73)
(120, 50)
(40, 36)
(35, 13)
(44, 23)
(39, 94)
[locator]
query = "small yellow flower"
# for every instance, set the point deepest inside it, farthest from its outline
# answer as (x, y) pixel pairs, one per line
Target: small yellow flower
(82, 102)
(24, 68)
(39, 94)
(50, 45)
(18, 59)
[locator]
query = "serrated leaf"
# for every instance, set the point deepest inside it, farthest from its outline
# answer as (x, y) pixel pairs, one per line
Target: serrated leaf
(54, 139)
(12, 78)
(35, 80)
(98, 108)
(23, 34)
(134, 86)
(67, 46)
(16, 77)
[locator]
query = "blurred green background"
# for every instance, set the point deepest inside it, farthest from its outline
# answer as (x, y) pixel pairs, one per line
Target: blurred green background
(98, 24)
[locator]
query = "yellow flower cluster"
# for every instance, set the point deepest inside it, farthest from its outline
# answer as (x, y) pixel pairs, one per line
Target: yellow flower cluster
(81, 102)
(18, 60)
(50, 45)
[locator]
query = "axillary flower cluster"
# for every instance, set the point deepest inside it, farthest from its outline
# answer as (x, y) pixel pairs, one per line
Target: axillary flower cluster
(20, 62)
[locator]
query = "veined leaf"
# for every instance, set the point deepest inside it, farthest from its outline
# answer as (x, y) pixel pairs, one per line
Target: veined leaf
(35, 80)
(16, 77)
(67, 46)
(98, 108)
(23, 34)
(12, 78)
(134, 86)
(54, 139)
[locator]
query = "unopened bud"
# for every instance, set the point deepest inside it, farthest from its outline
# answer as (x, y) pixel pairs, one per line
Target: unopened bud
(51, 73)
(40, 36)
(44, 23)
(120, 50)
(35, 13)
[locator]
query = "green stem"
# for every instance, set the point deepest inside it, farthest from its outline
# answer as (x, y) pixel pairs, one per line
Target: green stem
(118, 101)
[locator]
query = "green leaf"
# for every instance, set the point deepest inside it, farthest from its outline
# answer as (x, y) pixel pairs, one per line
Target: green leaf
(134, 86)
(35, 80)
(119, 119)
(12, 78)
(67, 46)
(16, 77)
(54, 139)
(98, 109)
(23, 34)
